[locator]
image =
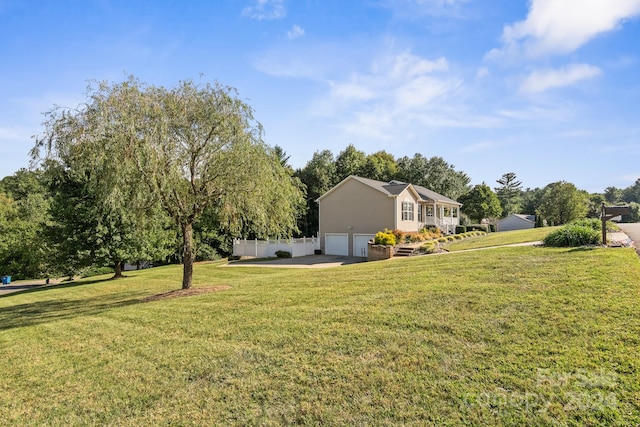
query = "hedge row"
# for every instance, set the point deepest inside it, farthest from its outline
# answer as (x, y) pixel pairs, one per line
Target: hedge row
(393, 237)
(434, 245)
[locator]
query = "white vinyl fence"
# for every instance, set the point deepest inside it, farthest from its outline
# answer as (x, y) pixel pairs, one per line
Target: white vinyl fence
(268, 248)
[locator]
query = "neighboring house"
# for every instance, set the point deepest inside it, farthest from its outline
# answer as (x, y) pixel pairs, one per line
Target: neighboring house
(352, 212)
(516, 222)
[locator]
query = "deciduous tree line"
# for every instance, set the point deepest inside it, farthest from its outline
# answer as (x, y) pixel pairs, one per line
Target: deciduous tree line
(325, 170)
(140, 172)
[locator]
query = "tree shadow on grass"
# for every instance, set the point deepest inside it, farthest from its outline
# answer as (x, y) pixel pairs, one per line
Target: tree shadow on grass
(26, 289)
(39, 312)
(585, 248)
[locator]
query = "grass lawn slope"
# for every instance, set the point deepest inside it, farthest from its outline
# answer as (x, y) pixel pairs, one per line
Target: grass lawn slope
(501, 238)
(510, 336)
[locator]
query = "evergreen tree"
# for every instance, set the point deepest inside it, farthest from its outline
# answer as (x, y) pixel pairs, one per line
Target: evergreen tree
(509, 193)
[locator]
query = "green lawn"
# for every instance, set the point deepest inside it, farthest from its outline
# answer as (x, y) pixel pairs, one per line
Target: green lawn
(510, 336)
(501, 238)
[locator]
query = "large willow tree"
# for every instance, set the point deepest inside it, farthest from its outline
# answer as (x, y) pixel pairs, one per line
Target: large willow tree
(189, 149)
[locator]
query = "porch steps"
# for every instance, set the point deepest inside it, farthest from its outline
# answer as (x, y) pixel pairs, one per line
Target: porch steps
(405, 251)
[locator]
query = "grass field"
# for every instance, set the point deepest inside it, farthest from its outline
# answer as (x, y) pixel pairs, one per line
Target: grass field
(509, 336)
(501, 238)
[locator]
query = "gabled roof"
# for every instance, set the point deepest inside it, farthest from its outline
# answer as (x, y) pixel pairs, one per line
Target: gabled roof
(393, 188)
(527, 218)
(429, 195)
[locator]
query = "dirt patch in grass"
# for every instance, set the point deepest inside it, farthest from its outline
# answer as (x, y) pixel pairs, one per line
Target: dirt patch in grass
(179, 293)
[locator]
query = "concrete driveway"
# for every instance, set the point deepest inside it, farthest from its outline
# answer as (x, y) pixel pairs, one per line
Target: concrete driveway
(8, 289)
(310, 261)
(633, 231)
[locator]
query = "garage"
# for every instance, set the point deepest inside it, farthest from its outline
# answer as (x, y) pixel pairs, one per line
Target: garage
(361, 244)
(336, 244)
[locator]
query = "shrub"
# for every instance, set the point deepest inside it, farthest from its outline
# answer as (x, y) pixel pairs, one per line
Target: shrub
(283, 254)
(429, 248)
(431, 232)
(416, 237)
(386, 238)
(233, 257)
(399, 235)
(492, 228)
(572, 235)
(477, 227)
(595, 224)
(592, 223)
(96, 271)
(204, 252)
(461, 229)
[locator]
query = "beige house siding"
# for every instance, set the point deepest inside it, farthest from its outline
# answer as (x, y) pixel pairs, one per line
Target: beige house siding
(354, 208)
(401, 224)
(358, 207)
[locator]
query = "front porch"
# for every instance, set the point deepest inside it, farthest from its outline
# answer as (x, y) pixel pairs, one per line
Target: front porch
(445, 217)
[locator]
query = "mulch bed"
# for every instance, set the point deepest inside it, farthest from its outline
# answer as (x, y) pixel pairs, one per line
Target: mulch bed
(179, 293)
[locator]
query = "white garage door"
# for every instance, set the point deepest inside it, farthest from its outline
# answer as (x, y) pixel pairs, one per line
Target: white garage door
(336, 244)
(360, 244)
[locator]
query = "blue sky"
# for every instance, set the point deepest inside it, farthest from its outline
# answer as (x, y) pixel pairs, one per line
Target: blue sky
(548, 89)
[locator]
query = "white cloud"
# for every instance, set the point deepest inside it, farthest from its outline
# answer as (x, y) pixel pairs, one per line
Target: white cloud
(399, 93)
(295, 32)
(482, 73)
(399, 81)
(265, 9)
(352, 90)
(542, 80)
(562, 26)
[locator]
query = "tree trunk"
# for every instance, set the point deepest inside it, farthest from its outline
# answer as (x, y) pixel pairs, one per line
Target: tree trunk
(187, 255)
(118, 270)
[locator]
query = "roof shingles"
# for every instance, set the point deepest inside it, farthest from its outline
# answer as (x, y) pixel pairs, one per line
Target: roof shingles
(394, 188)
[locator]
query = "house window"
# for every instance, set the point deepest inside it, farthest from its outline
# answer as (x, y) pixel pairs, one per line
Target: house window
(454, 212)
(447, 211)
(407, 211)
(419, 213)
(429, 210)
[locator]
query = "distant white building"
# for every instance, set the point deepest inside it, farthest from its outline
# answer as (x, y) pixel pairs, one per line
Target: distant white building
(516, 222)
